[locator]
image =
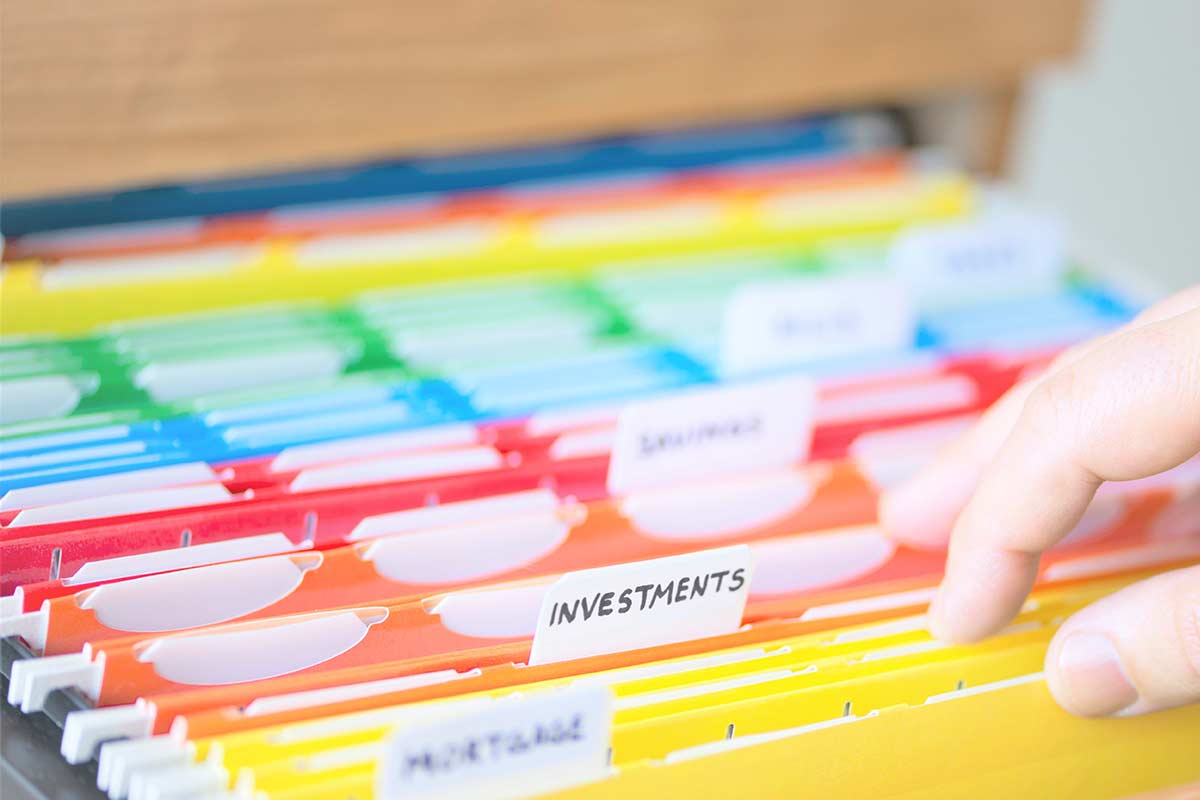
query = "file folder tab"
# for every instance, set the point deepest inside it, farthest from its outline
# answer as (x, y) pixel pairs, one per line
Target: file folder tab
(515, 747)
(643, 604)
(998, 255)
(712, 432)
(777, 324)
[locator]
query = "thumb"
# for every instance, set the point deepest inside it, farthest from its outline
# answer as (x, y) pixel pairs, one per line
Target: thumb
(1135, 651)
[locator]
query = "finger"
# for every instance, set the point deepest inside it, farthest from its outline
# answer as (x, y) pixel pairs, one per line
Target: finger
(1174, 305)
(921, 512)
(1127, 409)
(1132, 652)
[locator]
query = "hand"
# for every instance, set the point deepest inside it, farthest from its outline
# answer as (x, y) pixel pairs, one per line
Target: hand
(1123, 407)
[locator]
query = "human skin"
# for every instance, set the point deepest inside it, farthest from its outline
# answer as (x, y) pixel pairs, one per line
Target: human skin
(1123, 407)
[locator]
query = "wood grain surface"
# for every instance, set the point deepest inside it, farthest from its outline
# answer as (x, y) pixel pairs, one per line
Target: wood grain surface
(101, 94)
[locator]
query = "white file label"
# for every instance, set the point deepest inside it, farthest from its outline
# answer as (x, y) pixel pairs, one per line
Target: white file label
(515, 747)
(643, 604)
(709, 433)
(769, 326)
(1003, 255)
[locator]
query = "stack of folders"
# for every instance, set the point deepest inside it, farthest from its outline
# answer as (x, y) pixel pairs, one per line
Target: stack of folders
(545, 472)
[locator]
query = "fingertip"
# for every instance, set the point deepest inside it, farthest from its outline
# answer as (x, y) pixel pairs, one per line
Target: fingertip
(980, 594)
(1086, 676)
(894, 515)
(910, 515)
(947, 623)
(1132, 652)
(939, 628)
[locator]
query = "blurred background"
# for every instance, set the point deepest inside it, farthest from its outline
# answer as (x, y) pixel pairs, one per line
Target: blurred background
(1108, 139)
(1091, 109)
